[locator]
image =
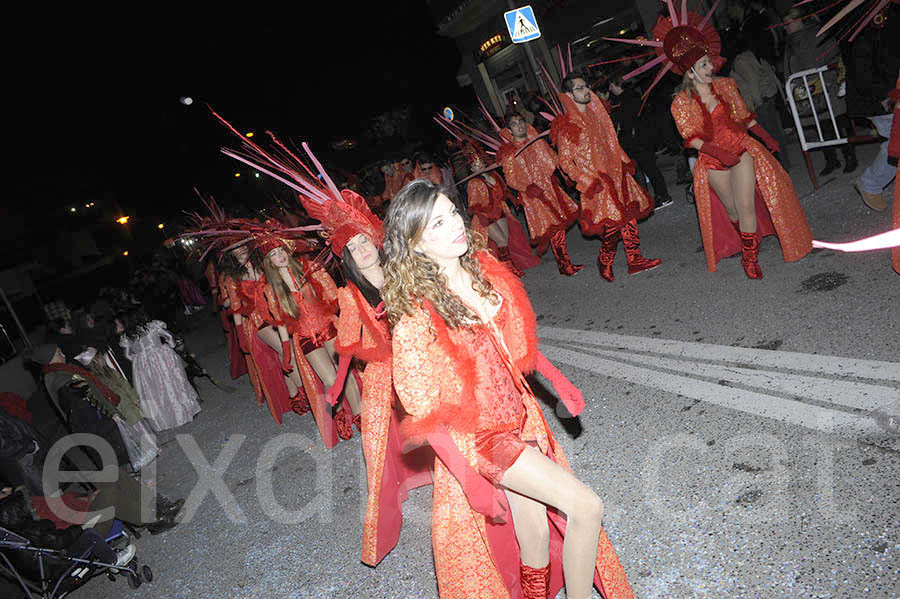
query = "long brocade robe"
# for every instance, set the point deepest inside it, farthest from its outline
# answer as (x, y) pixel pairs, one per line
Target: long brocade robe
(589, 149)
(362, 335)
(773, 184)
(535, 166)
(435, 377)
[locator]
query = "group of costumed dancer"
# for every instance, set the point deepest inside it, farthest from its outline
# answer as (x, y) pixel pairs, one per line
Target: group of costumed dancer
(436, 335)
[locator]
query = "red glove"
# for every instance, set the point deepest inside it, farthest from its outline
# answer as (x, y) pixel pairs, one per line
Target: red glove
(286, 351)
(764, 136)
(243, 341)
(594, 188)
(535, 191)
(722, 155)
(629, 167)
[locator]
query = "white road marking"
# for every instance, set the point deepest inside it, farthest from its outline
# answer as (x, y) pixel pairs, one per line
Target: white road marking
(677, 367)
(860, 396)
(834, 366)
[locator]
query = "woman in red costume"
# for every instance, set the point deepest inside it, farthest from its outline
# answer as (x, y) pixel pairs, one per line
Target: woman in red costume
(302, 299)
(256, 336)
(487, 194)
(464, 337)
(742, 192)
(355, 237)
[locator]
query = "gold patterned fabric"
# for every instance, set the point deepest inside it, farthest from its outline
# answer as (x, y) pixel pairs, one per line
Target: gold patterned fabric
(362, 335)
(435, 376)
(555, 210)
(589, 152)
(772, 182)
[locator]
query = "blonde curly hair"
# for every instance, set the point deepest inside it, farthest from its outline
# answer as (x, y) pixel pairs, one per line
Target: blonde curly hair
(409, 276)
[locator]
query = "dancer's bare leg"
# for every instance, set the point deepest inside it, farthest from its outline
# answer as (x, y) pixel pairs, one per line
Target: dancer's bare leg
(743, 185)
(720, 181)
(498, 232)
(535, 476)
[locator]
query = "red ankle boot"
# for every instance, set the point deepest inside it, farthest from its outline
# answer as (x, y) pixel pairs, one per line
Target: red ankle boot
(750, 255)
(636, 262)
(343, 423)
(299, 402)
(535, 581)
(503, 254)
(558, 245)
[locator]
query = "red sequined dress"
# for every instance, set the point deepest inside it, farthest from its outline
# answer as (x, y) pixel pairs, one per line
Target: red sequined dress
(316, 301)
(501, 413)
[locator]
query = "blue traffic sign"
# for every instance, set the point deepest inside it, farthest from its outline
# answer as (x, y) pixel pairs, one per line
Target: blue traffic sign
(522, 25)
(448, 113)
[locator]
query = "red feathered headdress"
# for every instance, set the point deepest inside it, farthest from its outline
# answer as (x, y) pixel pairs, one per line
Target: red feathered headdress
(342, 214)
(344, 218)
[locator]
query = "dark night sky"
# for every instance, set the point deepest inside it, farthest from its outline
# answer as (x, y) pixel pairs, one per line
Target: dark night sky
(98, 108)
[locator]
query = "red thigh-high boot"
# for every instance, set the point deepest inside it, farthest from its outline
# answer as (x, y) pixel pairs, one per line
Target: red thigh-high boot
(503, 255)
(558, 244)
(610, 237)
(535, 581)
(750, 254)
(632, 243)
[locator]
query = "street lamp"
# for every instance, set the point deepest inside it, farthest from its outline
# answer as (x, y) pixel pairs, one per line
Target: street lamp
(123, 220)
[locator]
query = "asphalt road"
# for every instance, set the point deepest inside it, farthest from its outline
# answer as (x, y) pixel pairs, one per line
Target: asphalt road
(732, 428)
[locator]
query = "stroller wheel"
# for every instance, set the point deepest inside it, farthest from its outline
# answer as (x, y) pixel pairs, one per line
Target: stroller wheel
(134, 581)
(147, 574)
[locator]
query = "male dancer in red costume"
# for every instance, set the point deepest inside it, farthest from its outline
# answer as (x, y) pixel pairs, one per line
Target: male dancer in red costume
(611, 200)
(548, 210)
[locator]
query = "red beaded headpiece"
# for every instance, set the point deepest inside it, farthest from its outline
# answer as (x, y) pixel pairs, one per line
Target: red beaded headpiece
(679, 41)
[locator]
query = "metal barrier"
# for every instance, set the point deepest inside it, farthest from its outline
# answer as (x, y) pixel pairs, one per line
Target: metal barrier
(805, 144)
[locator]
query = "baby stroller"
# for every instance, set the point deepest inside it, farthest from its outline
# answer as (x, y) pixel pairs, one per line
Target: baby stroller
(59, 573)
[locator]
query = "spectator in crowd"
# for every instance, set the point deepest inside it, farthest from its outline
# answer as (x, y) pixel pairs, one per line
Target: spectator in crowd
(638, 137)
(872, 64)
(802, 52)
(761, 90)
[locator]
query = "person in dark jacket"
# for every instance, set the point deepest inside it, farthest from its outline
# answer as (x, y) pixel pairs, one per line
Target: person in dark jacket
(637, 137)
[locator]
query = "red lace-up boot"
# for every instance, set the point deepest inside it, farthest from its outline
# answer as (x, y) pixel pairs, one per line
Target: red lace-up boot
(299, 402)
(750, 255)
(636, 262)
(610, 236)
(535, 581)
(558, 245)
(344, 424)
(503, 255)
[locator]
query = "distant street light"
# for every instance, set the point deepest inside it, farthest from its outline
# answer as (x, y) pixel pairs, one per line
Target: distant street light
(125, 253)
(249, 134)
(237, 174)
(123, 220)
(160, 226)
(186, 100)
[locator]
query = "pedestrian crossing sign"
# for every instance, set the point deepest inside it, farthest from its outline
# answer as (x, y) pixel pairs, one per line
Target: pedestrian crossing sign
(522, 25)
